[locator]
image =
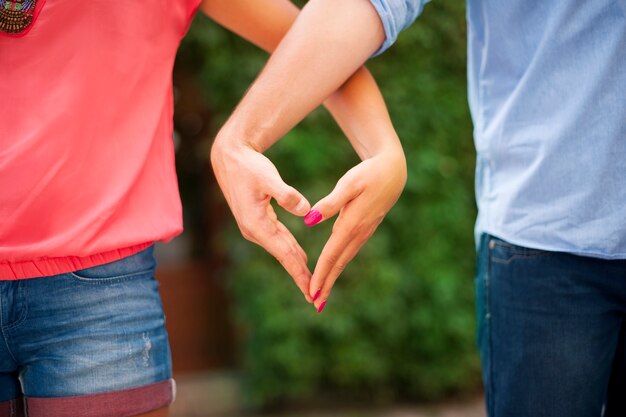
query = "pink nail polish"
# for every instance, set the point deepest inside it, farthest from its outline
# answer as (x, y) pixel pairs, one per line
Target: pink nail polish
(312, 218)
(321, 307)
(317, 294)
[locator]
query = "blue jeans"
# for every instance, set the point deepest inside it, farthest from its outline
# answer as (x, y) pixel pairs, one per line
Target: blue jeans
(86, 343)
(551, 332)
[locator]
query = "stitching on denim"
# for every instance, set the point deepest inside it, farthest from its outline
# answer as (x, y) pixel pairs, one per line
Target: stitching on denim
(5, 337)
(24, 313)
(518, 252)
(117, 278)
(491, 388)
(109, 280)
(518, 249)
(520, 256)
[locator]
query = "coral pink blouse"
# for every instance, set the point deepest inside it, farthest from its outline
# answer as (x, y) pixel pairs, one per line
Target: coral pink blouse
(87, 171)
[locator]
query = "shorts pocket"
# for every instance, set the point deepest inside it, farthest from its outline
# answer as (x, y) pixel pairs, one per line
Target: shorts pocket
(134, 266)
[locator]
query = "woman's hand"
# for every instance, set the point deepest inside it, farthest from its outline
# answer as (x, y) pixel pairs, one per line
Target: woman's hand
(363, 196)
(249, 180)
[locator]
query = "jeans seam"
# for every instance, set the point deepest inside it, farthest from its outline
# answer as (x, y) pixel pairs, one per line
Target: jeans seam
(109, 280)
(491, 388)
(24, 312)
(518, 252)
(519, 256)
(3, 333)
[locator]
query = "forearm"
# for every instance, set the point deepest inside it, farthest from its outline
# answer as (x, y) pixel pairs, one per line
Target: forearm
(359, 109)
(318, 63)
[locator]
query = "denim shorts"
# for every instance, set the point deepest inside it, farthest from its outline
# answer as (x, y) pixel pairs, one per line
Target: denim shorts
(551, 332)
(89, 343)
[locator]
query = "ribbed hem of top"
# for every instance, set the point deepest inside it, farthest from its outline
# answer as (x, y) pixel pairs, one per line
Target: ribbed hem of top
(46, 267)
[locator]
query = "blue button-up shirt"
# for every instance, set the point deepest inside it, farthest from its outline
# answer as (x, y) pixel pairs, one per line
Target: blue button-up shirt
(547, 93)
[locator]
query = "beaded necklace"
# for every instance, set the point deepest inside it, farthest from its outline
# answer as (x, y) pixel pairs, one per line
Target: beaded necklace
(16, 15)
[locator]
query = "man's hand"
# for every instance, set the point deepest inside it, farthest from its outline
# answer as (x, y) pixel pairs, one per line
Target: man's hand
(363, 196)
(249, 181)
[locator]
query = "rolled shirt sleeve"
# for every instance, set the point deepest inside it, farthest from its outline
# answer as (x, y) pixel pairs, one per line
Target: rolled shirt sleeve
(396, 15)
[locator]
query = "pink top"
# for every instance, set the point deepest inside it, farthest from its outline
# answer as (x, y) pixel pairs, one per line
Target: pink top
(87, 171)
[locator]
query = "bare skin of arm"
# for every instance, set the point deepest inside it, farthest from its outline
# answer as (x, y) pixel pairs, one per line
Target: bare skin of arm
(359, 109)
(316, 59)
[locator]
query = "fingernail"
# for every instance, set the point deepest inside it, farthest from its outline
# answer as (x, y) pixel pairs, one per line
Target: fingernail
(302, 205)
(321, 307)
(317, 294)
(312, 218)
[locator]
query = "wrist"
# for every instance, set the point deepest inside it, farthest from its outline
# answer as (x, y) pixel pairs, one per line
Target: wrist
(240, 132)
(385, 143)
(226, 151)
(395, 159)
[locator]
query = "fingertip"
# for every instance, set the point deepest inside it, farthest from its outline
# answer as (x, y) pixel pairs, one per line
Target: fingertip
(313, 217)
(291, 200)
(303, 207)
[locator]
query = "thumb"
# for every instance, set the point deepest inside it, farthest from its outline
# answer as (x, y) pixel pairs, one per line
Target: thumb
(344, 192)
(289, 198)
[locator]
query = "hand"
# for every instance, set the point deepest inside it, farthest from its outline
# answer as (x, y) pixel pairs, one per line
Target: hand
(249, 180)
(363, 196)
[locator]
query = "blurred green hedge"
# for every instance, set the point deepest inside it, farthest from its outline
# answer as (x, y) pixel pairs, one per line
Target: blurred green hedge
(399, 323)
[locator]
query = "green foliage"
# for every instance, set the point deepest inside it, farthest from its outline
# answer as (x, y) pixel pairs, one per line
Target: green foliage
(399, 323)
